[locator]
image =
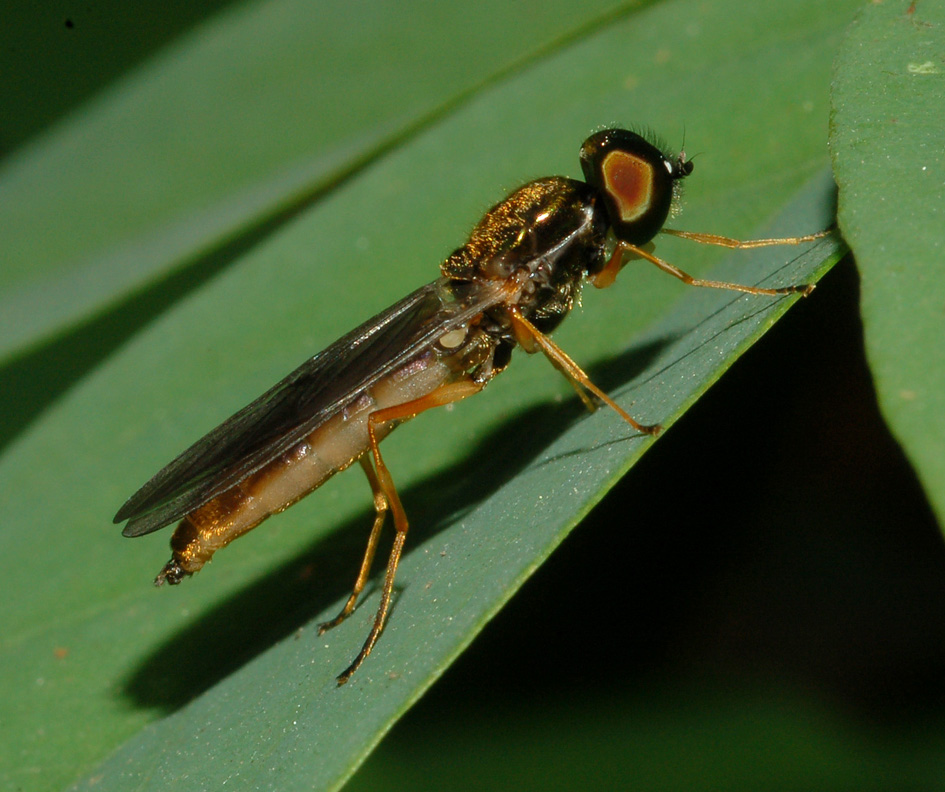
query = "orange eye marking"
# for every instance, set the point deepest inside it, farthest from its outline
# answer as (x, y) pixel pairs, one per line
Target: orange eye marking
(629, 181)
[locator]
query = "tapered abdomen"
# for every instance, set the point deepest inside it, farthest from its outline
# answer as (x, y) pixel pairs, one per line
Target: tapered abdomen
(330, 448)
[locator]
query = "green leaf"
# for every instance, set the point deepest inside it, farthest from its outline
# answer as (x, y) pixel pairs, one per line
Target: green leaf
(886, 143)
(490, 486)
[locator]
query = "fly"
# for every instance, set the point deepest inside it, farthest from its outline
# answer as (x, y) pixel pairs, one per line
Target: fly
(512, 283)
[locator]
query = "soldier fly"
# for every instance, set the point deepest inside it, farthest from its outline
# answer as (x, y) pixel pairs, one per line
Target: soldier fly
(512, 283)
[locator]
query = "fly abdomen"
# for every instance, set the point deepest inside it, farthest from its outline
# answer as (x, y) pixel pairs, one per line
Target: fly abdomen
(333, 446)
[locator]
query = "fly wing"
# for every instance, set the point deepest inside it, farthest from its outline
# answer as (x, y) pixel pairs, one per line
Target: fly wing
(297, 405)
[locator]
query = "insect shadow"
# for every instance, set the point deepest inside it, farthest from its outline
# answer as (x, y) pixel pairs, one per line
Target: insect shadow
(290, 597)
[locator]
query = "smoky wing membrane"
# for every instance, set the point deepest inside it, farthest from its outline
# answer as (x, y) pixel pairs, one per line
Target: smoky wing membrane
(296, 406)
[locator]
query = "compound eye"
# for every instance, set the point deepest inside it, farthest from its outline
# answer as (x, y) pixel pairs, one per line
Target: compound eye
(628, 180)
(634, 180)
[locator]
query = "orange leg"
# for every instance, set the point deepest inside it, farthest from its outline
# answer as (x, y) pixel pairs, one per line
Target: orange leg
(744, 244)
(381, 508)
(609, 273)
(386, 499)
(531, 338)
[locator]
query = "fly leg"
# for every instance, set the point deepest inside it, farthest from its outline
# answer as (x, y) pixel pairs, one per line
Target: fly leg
(381, 508)
(532, 339)
(609, 272)
(384, 490)
(744, 244)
